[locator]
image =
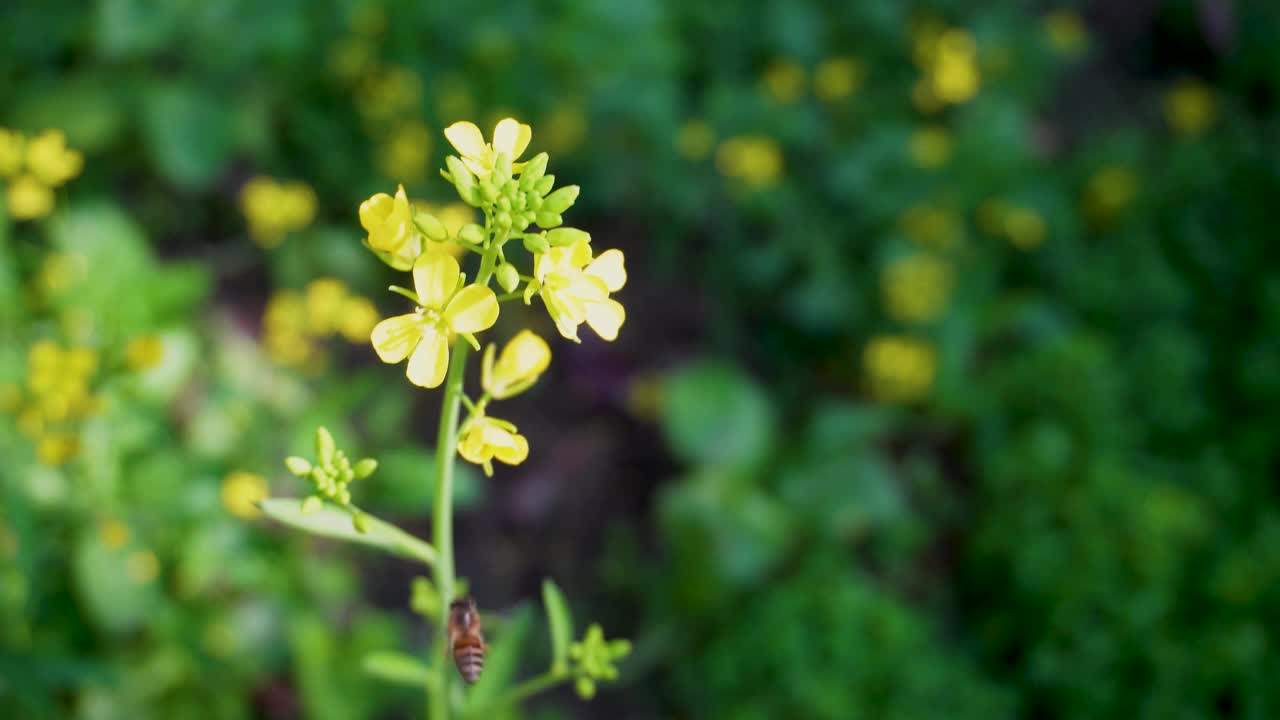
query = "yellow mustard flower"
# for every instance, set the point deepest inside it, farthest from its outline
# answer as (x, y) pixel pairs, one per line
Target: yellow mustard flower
(949, 60)
(50, 160)
(11, 143)
(899, 368)
(28, 198)
(446, 308)
(1065, 31)
(784, 81)
(837, 78)
(325, 299)
(389, 222)
(274, 209)
(695, 139)
(521, 362)
(483, 439)
(1190, 107)
(112, 533)
(405, 151)
(1025, 228)
(565, 128)
(241, 493)
(575, 288)
(56, 448)
(930, 147)
(143, 352)
(388, 93)
(754, 159)
(357, 318)
(915, 288)
(510, 136)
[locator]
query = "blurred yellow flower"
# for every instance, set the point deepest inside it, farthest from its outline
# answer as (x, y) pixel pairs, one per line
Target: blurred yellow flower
(242, 491)
(509, 136)
(754, 159)
(899, 368)
(575, 288)
(273, 209)
(1025, 228)
(837, 78)
(483, 439)
(61, 271)
(11, 144)
(405, 152)
(143, 352)
(445, 309)
(1065, 31)
(112, 533)
(389, 93)
(325, 299)
(49, 159)
(784, 81)
(284, 329)
(295, 323)
(695, 139)
(1190, 107)
(453, 216)
(932, 226)
(56, 448)
(915, 288)
(930, 147)
(142, 566)
(58, 388)
(1109, 192)
(948, 58)
(28, 198)
(565, 128)
(389, 222)
(357, 318)
(352, 57)
(521, 362)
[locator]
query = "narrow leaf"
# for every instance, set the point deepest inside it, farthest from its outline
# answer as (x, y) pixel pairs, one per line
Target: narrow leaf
(397, 668)
(332, 522)
(560, 622)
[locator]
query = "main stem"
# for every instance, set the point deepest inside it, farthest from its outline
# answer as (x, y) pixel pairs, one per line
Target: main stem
(442, 524)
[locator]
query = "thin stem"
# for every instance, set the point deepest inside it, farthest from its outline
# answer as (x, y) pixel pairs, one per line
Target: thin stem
(513, 295)
(529, 687)
(442, 523)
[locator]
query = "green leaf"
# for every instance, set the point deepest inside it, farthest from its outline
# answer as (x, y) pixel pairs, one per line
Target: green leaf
(397, 668)
(715, 414)
(560, 622)
(332, 522)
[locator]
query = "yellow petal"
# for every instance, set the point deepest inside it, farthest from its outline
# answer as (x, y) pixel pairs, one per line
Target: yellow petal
(505, 135)
(430, 360)
(374, 211)
(467, 138)
(586, 288)
(562, 315)
(522, 142)
(606, 318)
(472, 448)
(394, 338)
(526, 356)
(579, 254)
(609, 267)
(435, 278)
(473, 309)
(513, 451)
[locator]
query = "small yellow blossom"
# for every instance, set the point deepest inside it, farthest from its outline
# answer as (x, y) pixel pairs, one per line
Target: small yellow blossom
(142, 566)
(1109, 192)
(754, 159)
(509, 136)
(899, 368)
(695, 139)
(325, 299)
(916, 287)
(389, 93)
(57, 448)
(1066, 32)
(406, 151)
(565, 128)
(143, 352)
(930, 147)
(61, 271)
(575, 288)
(241, 493)
(483, 439)
(112, 533)
(784, 81)
(28, 198)
(294, 323)
(357, 318)
(837, 78)
(11, 143)
(521, 362)
(284, 329)
(352, 57)
(274, 209)
(1190, 107)
(949, 59)
(446, 309)
(1025, 228)
(389, 222)
(50, 160)
(932, 226)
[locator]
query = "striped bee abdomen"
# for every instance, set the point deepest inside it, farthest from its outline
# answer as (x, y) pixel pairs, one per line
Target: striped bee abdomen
(466, 639)
(468, 654)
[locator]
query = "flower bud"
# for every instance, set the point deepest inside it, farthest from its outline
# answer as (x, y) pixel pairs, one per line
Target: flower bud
(365, 468)
(534, 169)
(562, 199)
(311, 505)
(544, 184)
(472, 233)
(488, 190)
(325, 447)
(504, 219)
(298, 467)
(547, 219)
(536, 243)
(431, 227)
(565, 236)
(504, 203)
(360, 522)
(508, 276)
(501, 167)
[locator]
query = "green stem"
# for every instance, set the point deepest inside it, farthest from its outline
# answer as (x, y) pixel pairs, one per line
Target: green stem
(529, 687)
(442, 523)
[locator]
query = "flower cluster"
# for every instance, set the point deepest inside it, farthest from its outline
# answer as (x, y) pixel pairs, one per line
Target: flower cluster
(274, 209)
(331, 473)
(899, 368)
(58, 396)
(948, 60)
(594, 659)
(756, 160)
(295, 323)
(34, 167)
(916, 287)
(517, 200)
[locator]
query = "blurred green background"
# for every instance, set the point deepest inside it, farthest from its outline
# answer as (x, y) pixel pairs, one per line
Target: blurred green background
(950, 384)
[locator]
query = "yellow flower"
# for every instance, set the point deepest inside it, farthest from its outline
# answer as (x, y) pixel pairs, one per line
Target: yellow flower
(915, 288)
(57, 448)
(274, 209)
(564, 128)
(10, 152)
(112, 533)
(445, 309)
(1025, 227)
(389, 222)
(837, 78)
(143, 352)
(405, 152)
(1065, 31)
(523, 359)
(1190, 107)
(755, 159)
(930, 147)
(357, 318)
(50, 160)
(949, 59)
(931, 226)
(242, 491)
(576, 288)
(899, 368)
(325, 300)
(783, 81)
(509, 136)
(28, 198)
(142, 566)
(695, 139)
(482, 439)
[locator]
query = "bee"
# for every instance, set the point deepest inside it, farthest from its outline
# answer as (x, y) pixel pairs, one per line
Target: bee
(466, 640)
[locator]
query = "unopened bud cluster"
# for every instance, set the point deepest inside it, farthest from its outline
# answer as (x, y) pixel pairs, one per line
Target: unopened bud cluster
(594, 659)
(332, 472)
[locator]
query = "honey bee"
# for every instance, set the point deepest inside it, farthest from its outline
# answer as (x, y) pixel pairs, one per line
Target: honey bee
(466, 640)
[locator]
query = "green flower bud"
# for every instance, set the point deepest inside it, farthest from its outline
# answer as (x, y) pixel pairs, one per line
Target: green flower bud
(488, 191)
(586, 688)
(565, 236)
(508, 276)
(562, 199)
(522, 222)
(544, 184)
(365, 468)
(360, 522)
(472, 233)
(461, 178)
(504, 219)
(311, 505)
(425, 600)
(343, 496)
(431, 227)
(520, 203)
(547, 219)
(533, 201)
(298, 467)
(325, 447)
(534, 169)
(504, 203)
(619, 649)
(536, 243)
(502, 167)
